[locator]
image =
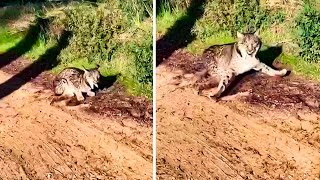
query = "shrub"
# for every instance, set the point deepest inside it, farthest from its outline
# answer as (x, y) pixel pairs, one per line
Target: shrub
(218, 16)
(250, 16)
(238, 15)
(172, 5)
(136, 54)
(143, 60)
(308, 23)
(133, 9)
(93, 32)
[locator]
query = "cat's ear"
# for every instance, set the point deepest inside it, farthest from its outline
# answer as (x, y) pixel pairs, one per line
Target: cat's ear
(84, 69)
(257, 33)
(239, 35)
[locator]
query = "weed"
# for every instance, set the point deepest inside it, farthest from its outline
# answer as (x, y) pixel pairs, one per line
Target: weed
(308, 22)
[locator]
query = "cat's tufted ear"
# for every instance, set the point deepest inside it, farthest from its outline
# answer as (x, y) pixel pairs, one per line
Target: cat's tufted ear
(239, 35)
(84, 69)
(257, 33)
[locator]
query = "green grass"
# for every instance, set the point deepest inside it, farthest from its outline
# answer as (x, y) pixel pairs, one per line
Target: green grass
(166, 19)
(39, 48)
(197, 46)
(8, 39)
(308, 70)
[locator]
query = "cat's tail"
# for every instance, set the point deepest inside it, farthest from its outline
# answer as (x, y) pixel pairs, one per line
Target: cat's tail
(198, 75)
(189, 79)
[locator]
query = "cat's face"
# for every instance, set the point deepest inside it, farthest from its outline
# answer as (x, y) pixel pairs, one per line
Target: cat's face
(249, 43)
(92, 77)
(60, 86)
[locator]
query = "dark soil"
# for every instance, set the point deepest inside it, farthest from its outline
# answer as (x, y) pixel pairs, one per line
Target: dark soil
(114, 102)
(109, 102)
(290, 92)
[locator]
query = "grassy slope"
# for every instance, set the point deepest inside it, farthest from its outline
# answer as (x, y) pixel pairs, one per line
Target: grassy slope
(280, 33)
(10, 37)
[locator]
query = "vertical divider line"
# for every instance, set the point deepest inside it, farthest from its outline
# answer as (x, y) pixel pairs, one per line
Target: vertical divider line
(154, 124)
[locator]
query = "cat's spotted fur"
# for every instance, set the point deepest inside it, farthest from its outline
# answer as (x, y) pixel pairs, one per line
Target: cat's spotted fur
(74, 81)
(229, 60)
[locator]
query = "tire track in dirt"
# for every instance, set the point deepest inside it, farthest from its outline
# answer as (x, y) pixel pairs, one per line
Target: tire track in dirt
(50, 142)
(10, 165)
(200, 139)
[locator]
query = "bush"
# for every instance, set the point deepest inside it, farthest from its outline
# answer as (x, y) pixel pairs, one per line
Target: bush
(218, 16)
(93, 32)
(134, 9)
(308, 23)
(135, 54)
(238, 15)
(143, 60)
(250, 16)
(172, 5)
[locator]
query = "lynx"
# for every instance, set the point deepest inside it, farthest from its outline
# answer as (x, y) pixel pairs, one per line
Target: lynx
(229, 60)
(74, 81)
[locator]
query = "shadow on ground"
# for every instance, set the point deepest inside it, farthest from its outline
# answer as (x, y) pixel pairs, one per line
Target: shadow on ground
(46, 62)
(107, 81)
(179, 35)
(114, 101)
(269, 55)
(25, 44)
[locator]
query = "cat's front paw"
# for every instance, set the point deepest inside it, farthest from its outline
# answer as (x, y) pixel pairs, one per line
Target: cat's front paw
(90, 93)
(214, 96)
(283, 72)
(80, 98)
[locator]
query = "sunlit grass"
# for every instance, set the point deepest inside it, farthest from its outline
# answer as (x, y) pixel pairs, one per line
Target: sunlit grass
(309, 70)
(8, 39)
(166, 19)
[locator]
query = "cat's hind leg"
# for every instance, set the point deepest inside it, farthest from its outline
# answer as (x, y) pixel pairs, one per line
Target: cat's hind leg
(225, 79)
(90, 93)
(65, 96)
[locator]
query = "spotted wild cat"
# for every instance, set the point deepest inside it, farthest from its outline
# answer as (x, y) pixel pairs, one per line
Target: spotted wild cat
(74, 81)
(224, 62)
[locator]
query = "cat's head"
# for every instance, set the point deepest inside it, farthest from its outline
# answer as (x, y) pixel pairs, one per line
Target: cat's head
(59, 85)
(92, 77)
(249, 43)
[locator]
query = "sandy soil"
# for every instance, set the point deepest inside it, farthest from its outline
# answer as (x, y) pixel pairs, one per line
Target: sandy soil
(274, 133)
(43, 141)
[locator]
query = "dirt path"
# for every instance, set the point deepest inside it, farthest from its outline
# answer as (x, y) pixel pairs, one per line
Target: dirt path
(270, 135)
(40, 141)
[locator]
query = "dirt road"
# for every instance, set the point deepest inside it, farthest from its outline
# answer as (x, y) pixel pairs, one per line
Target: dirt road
(274, 134)
(41, 141)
